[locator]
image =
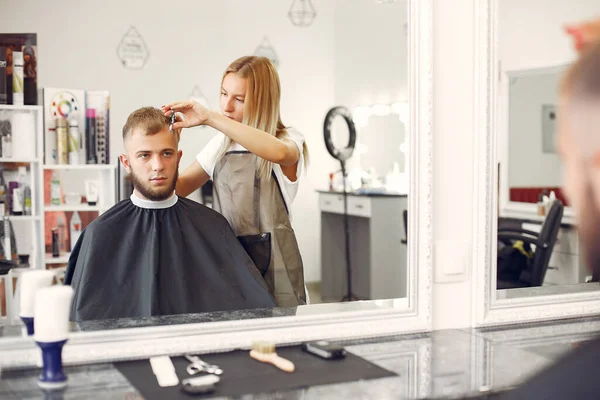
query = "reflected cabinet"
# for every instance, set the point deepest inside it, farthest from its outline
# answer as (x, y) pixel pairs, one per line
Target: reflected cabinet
(378, 246)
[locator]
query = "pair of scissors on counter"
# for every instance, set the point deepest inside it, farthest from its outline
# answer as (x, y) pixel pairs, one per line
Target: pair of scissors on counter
(197, 366)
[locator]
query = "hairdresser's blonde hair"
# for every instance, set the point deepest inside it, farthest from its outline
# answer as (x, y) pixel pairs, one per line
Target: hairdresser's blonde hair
(261, 104)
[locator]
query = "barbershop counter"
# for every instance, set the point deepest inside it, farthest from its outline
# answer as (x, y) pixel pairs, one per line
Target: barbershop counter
(443, 364)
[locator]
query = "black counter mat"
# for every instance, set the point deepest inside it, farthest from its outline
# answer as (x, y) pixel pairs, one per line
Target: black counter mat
(244, 375)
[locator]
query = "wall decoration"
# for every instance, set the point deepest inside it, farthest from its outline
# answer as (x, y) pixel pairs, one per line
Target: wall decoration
(64, 104)
(265, 49)
(132, 50)
(302, 13)
(548, 128)
(361, 114)
(198, 96)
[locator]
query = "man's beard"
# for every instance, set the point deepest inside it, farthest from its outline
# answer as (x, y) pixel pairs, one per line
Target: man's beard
(589, 232)
(154, 194)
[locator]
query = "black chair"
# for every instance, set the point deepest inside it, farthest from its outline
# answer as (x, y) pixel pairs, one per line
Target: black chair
(534, 273)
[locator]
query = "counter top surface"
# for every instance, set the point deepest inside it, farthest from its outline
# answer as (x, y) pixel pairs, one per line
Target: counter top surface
(439, 364)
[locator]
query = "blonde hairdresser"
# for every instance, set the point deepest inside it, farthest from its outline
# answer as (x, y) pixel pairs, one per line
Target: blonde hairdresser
(255, 163)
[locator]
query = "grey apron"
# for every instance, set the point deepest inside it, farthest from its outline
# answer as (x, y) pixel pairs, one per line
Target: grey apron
(258, 215)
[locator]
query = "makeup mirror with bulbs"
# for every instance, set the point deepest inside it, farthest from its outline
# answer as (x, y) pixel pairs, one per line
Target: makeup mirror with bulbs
(382, 144)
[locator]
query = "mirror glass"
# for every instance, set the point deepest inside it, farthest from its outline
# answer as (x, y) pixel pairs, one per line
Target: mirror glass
(138, 55)
(538, 249)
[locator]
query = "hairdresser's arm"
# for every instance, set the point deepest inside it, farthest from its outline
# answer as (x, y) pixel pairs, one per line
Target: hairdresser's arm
(191, 179)
(280, 151)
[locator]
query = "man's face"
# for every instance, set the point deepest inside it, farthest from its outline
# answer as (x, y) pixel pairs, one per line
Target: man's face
(153, 162)
(582, 186)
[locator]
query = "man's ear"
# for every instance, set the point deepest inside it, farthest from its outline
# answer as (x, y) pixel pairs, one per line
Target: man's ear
(179, 154)
(125, 161)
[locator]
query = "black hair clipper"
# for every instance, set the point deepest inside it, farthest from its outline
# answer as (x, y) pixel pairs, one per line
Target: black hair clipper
(324, 349)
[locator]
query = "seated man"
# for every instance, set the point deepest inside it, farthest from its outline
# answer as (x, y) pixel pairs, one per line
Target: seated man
(155, 253)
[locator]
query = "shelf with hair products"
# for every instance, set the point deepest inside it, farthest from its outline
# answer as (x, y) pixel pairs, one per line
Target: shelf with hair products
(41, 196)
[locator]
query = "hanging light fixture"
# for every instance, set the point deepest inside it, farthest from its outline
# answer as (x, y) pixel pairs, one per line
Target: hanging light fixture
(198, 96)
(302, 13)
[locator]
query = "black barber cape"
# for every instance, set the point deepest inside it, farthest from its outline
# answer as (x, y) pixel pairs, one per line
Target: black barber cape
(572, 376)
(135, 261)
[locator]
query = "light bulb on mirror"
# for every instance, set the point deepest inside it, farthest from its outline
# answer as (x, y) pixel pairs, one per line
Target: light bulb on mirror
(401, 110)
(381, 110)
(360, 116)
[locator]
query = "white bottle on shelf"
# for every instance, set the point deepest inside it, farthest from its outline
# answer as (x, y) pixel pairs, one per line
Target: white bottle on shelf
(74, 140)
(75, 230)
(7, 142)
(18, 79)
(55, 189)
(27, 200)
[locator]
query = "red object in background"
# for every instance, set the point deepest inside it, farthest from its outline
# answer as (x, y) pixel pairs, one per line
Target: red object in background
(532, 194)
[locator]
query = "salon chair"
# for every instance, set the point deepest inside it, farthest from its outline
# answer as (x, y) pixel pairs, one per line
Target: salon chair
(542, 244)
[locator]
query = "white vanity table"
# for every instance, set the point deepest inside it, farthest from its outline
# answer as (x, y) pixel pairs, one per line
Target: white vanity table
(378, 250)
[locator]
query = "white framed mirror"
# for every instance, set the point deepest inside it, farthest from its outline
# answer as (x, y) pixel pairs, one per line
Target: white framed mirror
(405, 54)
(527, 253)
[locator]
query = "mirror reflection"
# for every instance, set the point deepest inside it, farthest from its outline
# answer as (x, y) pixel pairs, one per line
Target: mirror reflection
(539, 251)
(235, 203)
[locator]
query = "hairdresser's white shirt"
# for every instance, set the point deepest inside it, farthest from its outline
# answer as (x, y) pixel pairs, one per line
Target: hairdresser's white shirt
(207, 160)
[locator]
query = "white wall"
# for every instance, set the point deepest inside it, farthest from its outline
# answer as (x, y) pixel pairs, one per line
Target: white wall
(529, 165)
(191, 42)
(453, 135)
(531, 35)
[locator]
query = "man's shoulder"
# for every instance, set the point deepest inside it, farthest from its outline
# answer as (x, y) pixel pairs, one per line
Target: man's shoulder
(108, 217)
(197, 207)
(203, 212)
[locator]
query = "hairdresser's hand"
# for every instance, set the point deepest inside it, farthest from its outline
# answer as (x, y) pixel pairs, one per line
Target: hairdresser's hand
(194, 113)
(584, 34)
